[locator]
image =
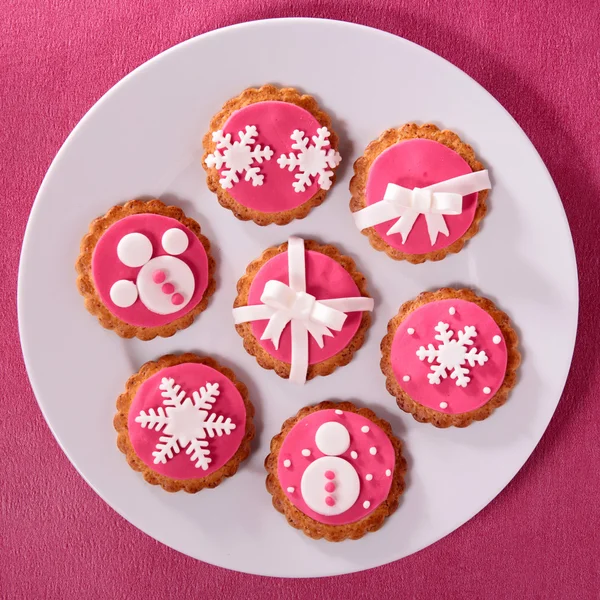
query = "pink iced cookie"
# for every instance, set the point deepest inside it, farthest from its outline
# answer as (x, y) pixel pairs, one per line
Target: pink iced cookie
(148, 271)
(426, 223)
(186, 421)
(271, 157)
(337, 466)
(450, 356)
(326, 279)
(453, 355)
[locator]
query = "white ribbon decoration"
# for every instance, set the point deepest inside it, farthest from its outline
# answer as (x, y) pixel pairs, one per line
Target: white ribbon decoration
(283, 304)
(433, 201)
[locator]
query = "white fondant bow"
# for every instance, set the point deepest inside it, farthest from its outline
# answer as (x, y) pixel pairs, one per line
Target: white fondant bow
(433, 201)
(283, 304)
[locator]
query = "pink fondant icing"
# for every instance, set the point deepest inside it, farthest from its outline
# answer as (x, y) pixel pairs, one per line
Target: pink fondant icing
(191, 377)
(406, 362)
(374, 491)
(325, 279)
(419, 163)
(275, 122)
(107, 268)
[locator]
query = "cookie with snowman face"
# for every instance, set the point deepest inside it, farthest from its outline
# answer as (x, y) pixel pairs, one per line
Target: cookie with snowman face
(336, 471)
(145, 270)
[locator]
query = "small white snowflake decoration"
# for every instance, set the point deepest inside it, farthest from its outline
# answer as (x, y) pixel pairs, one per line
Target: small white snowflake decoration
(238, 157)
(317, 159)
(451, 355)
(185, 422)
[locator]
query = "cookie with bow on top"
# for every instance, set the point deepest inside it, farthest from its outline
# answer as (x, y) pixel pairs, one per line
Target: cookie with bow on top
(145, 270)
(418, 193)
(336, 471)
(302, 309)
(450, 357)
(185, 422)
(270, 155)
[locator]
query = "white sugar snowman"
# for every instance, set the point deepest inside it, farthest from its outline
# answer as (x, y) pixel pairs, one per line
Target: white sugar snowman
(164, 284)
(330, 485)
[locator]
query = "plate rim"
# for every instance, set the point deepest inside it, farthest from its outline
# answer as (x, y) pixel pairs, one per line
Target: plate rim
(215, 32)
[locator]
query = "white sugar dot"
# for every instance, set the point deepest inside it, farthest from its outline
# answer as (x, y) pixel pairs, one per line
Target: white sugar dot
(287, 463)
(388, 472)
(123, 293)
(406, 378)
(175, 241)
(452, 310)
(339, 412)
(332, 438)
(410, 331)
(373, 450)
(443, 405)
(291, 490)
(496, 339)
(368, 477)
(366, 504)
(486, 390)
(354, 454)
(134, 250)
(365, 429)
(306, 452)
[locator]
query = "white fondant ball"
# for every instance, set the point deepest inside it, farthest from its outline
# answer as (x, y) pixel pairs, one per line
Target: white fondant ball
(123, 293)
(175, 241)
(134, 249)
(332, 438)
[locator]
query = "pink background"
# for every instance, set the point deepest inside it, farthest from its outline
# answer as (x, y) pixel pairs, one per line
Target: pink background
(540, 538)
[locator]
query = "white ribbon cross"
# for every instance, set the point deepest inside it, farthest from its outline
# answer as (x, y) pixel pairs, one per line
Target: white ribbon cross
(433, 201)
(283, 304)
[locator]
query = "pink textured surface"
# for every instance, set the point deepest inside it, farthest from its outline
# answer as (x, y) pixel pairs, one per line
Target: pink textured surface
(540, 538)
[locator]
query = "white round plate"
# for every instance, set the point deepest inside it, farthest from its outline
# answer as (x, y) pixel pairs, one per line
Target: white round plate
(144, 138)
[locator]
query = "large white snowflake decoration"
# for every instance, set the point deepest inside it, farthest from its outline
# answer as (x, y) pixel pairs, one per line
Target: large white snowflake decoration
(451, 355)
(317, 159)
(185, 422)
(237, 157)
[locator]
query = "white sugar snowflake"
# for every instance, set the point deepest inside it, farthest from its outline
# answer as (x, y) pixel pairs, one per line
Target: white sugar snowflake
(238, 157)
(451, 355)
(185, 422)
(317, 159)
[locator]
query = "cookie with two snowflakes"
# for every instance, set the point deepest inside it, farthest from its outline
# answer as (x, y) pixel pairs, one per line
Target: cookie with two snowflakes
(450, 357)
(418, 193)
(335, 471)
(145, 270)
(185, 422)
(270, 155)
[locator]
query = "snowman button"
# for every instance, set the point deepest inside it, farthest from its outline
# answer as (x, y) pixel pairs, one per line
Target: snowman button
(159, 276)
